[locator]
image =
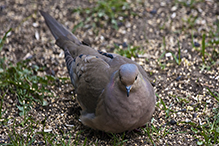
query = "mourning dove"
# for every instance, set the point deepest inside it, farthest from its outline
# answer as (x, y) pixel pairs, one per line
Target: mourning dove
(114, 92)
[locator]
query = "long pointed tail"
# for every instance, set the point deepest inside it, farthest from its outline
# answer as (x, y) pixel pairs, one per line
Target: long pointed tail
(58, 30)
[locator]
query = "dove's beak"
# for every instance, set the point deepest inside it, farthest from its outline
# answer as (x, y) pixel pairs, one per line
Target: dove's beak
(128, 88)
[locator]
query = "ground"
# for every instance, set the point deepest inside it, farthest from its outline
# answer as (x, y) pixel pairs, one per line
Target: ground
(175, 41)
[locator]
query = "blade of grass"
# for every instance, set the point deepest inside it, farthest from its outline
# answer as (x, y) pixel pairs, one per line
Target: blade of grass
(203, 48)
(2, 41)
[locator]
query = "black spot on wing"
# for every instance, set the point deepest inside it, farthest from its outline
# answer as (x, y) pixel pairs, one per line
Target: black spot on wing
(84, 43)
(110, 56)
(80, 55)
(106, 54)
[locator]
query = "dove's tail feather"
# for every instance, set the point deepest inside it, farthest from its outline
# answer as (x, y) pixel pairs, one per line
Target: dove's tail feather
(57, 29)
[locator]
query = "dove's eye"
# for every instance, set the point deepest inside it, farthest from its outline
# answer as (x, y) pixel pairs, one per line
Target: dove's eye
(136, 77)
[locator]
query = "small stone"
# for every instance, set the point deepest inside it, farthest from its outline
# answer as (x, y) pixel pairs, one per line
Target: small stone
(119, 24)
(102, 37)
(203, 22)
(47, 130)
(187, 120)
(35, 24)
(196, 44)
(188, 12)
(153, 11)
(208, 101)
(168, 54)
(121, 18)
(9, 33)
(124, 45)
(200, 10)
(182, 110)
(174, 8)
(173, 15)
(178, 78)
(128, 24)
(162, 4)
(194, 115)
(190, 108)
(172, 122)
(61, 55)
(27, 56)
(69, 125)
(200, 121)
(2, 7)
(37, 36)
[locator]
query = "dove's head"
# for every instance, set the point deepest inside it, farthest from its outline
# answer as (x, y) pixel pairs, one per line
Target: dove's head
(128, 75)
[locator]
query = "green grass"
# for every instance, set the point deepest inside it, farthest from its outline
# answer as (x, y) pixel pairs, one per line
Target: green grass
(214, 42)
(2, 41)
(190, 22)
(208, 58)
(20, 139)
(110, 11)
(190, 4)
(131, 51)
(155, 133)
(208, 40)
(160, 63)
(48, 138)
(209, 131)
(177, 58)
(203, 48)
(117, 140)
(22, 82)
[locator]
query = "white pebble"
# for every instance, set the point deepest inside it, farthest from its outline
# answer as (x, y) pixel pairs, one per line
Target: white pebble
(47, 130)
(168, 54)
(37, 36)
(174, 8)
(35, 24)
(173, 15)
